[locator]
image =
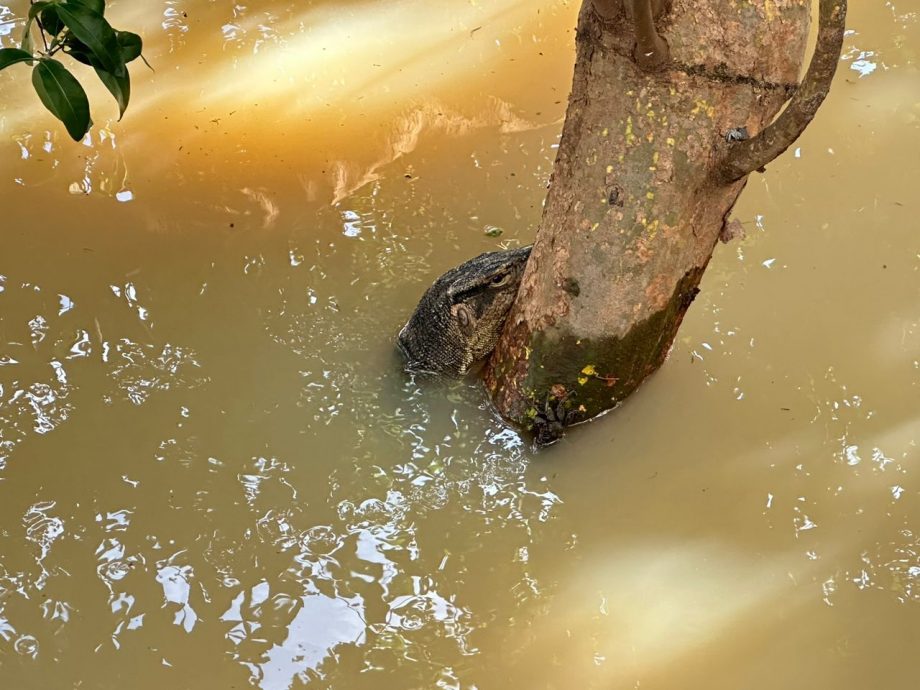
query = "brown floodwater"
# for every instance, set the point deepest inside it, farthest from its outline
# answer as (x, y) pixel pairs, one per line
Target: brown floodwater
(214, 474)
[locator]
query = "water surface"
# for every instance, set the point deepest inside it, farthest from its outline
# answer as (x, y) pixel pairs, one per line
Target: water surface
(214, 474)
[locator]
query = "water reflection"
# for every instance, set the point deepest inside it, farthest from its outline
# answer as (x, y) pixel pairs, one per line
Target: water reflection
(175, 23)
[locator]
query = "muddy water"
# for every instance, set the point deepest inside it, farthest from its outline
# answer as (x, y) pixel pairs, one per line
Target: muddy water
(214, 474)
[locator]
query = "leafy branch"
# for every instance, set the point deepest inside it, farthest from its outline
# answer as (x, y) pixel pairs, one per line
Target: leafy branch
(76, 28)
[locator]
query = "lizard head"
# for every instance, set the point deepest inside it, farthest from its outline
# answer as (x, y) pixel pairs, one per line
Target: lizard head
(460, 317)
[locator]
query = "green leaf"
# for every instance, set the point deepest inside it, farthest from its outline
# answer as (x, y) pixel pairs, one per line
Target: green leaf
(131, 45)
(78, 51)
(26, 44)
(10, 56)
(62, 94)
(51, 22)
(95, 32)
(97, 6)
(27, 31)
(38, 7)
(120, 87)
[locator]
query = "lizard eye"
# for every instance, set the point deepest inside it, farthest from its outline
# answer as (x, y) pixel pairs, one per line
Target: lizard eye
(499, 280)
(464, 316)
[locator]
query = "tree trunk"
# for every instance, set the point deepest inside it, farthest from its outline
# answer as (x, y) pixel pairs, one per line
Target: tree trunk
(639, 194)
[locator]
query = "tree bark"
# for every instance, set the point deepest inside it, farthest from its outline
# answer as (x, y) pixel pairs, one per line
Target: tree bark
(639, 193)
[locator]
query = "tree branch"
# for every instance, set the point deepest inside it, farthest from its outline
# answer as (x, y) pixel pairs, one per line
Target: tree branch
(651, 49)
(642, 16)
(747, 156)
(607, 9)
